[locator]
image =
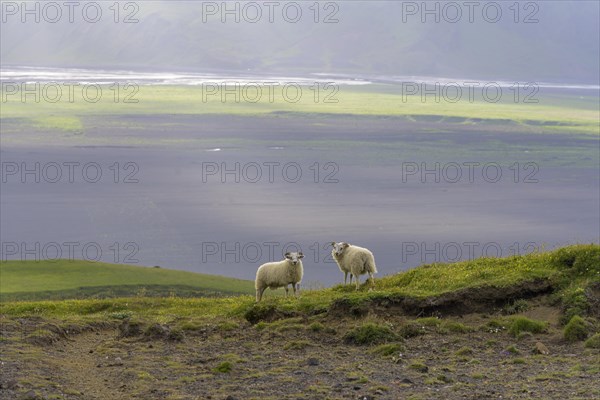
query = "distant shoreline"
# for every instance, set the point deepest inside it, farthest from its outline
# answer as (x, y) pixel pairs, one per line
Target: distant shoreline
(30, 74)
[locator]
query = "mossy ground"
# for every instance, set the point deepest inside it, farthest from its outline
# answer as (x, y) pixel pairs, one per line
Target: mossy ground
(289, 359)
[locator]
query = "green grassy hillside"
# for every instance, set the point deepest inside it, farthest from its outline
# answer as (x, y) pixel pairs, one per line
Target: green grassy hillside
(465, 286)
(37, 280)
(484, 284)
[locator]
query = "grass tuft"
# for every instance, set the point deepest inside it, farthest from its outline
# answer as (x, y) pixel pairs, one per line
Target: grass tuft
(464, 351)
(576, 330)
(316, 327)
(575, 303)
(223, 368)
(297, 345)
(389, 349)
(454, 327)
(593, 342)
(370, 333)
(412, 329)
(516, 307)
(524, 324)
(419, 367)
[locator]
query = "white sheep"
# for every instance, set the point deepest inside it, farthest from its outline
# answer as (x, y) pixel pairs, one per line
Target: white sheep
(354, 260)
(274, 275)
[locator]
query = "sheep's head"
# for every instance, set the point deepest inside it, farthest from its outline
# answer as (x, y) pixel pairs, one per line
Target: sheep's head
(294, 257)
(338, 248)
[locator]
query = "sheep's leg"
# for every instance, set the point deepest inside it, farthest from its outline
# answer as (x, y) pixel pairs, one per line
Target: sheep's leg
(259, 294)
(357, 282)
(372, 279)
(346, 277)
(287, 289)
(294, 287)
(351, 276)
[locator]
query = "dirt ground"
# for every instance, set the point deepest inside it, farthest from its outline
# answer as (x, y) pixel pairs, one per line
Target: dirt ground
(293, 359)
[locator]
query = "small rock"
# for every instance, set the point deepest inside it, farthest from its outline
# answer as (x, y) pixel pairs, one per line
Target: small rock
(407, 381)
(129, 329)
(31, 395)
(12, 385)
(337, 387)
(366, 397)
(118, 362)
(230, 398)
(91, 351)
(157, 331)
(313, 361)
(356, 388)
(540, 348)
(422, 369)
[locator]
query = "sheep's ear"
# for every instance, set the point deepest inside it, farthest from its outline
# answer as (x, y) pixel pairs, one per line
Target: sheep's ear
(287, 255)
(300, 255)
(345, 245)
(332, 244)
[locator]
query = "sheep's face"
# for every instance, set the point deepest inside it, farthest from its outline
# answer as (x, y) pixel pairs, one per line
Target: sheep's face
(294, 257)
(338, 248)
